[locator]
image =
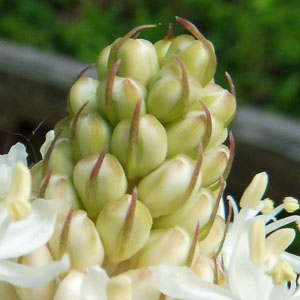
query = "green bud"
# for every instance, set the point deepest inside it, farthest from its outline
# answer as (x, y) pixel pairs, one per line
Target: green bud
(118, 97)
(60, 187)
(219, 101)
(214, 164)
(185, 134)
(92, 135)
(172, 92)
(102, 62)
(124, 226)
(198, 208)
(138, 59)
(60, 158)
(99, 183)
(168, 187)
(162, 48)
(37, 258)
(63, 127)
(83, 90)
(36, 178)
(140, 144)
(77, 235)
(165, 246)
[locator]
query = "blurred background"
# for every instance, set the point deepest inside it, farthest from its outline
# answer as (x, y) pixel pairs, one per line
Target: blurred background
(256, 41)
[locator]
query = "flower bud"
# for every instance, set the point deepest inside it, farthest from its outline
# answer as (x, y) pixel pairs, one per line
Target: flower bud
(60, 158)
(102, 62)
(61, 187)
(70, 287)
(164, 246)
(198, 208)
(172, 92)
(77, 236)
(138, 59)
(187, 133)
(204, 267)
(92, 136)
(99, 185)
(38, 258)
(118, 96)
(83, 90)
(37, 177)
(162, 47)
(140, 145)
(63, 127)
(219, 101)
(119, 288)
(214, 164)
(168, 187)
(124, 226)
(144, 284)
(210, 244)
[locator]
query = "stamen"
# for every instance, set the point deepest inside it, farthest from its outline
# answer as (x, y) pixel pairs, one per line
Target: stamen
(291, 204)
(257, 241)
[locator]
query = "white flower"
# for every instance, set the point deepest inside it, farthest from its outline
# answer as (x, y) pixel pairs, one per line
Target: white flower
(49, 138)
(24, 227)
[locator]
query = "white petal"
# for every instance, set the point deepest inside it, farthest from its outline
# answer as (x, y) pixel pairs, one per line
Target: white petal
(94, 284)
(4, 222)
(181, 282)
(26, 235)
(293, 260)
(49, 138)
(17, 153)
(25, 276)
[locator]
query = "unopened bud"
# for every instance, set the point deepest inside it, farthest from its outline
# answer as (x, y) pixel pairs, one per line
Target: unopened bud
(70, 287)
(98, 186)
(83, 90)
(119, 288)
(38, 258)
(168, 187)
(204, 267)
(77, 236)
(124, 226)
(102, 62)
(165, 246)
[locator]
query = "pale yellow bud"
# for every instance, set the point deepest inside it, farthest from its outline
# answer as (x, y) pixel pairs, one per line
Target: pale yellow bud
(168, 187)
(102, 62)
(254, 192)
(19, 192)
(96, 190)
(165, 246)
(61, 187)
(124, 226)
(77, 236)
(38, 258)
(119, 288)
(70, 287)
(214, 164)
(203, 267)
(162, 47)
(210, 244)
(83, 90)
(197, 209)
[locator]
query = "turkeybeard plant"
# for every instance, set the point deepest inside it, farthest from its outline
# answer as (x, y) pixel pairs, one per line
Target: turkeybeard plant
(139, 167)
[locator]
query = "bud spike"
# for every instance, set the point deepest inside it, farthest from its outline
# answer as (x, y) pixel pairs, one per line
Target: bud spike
(195, 174)
(65, 232)
(198, 35)
(231, 156)
(45, 184)
(133, 139)
(170, 33)
(231, 85)
(193, 246)
(110, 83)
(49, 151)
(118, 45)
(83, 71)
(207, 227)
(129, 218)
(208, 125)
(226, 229)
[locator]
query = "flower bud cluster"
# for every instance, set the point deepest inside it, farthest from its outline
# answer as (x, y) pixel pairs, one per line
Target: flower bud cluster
(140, 161)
